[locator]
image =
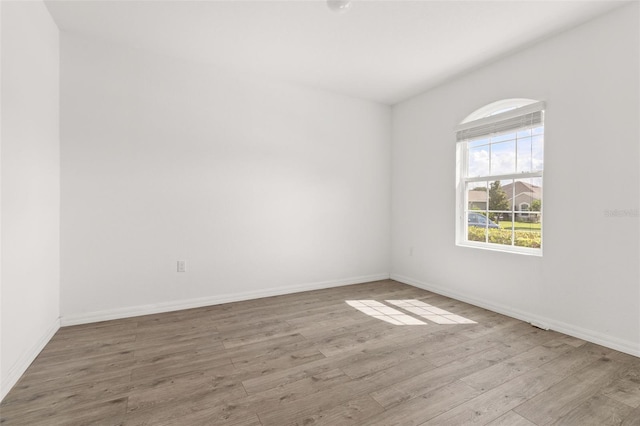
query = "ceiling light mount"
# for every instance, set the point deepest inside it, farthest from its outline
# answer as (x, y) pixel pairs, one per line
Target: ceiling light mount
(339, 6)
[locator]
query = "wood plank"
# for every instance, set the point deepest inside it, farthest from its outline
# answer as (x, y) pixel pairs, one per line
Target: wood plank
(65, 398)
(576, 360)
(428, 405)
(290, 394)
(599, 410)
(511, 418)
(561, 398)
(633, 419)
(506, 370)
(107, 413)
(627, 388)
(324, 400)
(420, 384)
(498, 401)
(349, 413)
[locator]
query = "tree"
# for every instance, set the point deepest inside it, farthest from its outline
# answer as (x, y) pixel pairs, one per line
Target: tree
(497, 199)
(536, 206)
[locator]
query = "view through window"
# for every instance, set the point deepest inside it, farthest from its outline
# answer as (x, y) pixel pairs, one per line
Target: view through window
(500, 166)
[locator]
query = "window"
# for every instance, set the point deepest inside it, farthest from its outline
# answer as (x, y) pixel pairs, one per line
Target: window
(499, 185)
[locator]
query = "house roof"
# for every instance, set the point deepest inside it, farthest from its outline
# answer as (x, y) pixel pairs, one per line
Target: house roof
(523, 188)
(477, 196)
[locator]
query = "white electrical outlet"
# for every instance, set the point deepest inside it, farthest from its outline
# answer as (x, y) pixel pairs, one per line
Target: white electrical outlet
(182, 266)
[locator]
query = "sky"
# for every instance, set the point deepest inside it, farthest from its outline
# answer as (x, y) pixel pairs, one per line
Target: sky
(507, 153)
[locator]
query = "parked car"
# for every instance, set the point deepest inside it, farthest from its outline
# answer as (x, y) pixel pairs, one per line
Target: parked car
(481, 221)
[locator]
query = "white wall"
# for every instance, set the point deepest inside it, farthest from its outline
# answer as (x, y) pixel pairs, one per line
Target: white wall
(30, 186)
(261, 187)
(587, 282)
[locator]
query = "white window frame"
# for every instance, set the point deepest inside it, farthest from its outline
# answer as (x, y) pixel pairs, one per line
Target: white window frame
(483, 118)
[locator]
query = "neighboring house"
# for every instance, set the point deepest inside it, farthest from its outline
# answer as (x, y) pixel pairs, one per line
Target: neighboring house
(477, 200)
(521, 196)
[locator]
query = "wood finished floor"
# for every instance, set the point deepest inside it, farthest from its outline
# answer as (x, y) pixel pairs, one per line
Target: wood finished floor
(311, 359)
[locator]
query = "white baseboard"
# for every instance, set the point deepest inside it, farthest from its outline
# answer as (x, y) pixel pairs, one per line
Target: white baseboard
(134, 311)
(626, 346)
(21, 365)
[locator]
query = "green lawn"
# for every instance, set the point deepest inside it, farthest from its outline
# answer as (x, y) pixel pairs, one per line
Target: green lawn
(520, 226)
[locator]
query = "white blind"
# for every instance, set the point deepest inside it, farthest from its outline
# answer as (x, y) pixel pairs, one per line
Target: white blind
(523, 117)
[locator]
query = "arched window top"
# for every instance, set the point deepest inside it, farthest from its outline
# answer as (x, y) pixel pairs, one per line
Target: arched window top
(498, 107)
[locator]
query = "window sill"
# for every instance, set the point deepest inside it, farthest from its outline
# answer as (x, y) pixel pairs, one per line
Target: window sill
(502, 248)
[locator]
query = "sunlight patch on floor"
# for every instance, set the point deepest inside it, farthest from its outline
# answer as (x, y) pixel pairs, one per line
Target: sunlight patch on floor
(431, 313)
(383, 312)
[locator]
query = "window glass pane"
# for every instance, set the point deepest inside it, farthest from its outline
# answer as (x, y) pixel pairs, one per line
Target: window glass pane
(502, 236)
(500, 195)
(476, 232)
(477, 196)
(537, 158)
(524, 155)
(503, 158)
(478, 161)
(477, 203)
(524, 133)
(503, 138)
(478, 142)
(499, 228)
(527, 213)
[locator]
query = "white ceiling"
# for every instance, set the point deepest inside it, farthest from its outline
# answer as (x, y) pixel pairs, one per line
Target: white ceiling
(384, 51)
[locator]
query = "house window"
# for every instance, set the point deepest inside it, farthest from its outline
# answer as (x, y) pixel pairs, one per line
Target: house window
(499, 168)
